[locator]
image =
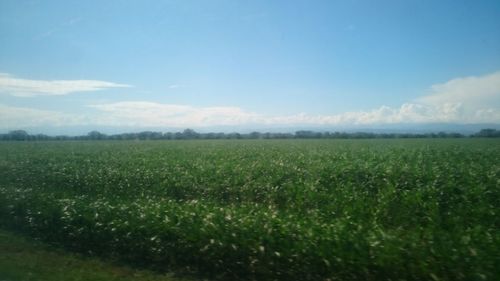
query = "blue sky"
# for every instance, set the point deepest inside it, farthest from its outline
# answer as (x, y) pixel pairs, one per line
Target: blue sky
(209, 64)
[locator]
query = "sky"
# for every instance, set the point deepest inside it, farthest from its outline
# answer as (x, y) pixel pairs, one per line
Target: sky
(71, 66)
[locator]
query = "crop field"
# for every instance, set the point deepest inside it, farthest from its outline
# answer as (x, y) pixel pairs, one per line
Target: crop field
(265, 209)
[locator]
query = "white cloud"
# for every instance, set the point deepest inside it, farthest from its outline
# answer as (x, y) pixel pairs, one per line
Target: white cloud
(143, 113)
(463, 100)
(16, 117)
(471, 91)
(29, 88)
(469, 100)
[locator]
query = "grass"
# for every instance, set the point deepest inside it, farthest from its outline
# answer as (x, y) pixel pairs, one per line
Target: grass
(25, 259)
(265, 210)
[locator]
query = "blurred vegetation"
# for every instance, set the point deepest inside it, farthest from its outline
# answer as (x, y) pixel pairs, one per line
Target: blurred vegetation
(266, 210)
(24, 259)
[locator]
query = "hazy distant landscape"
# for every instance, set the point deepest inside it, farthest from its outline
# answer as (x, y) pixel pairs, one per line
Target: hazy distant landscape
(190, 134)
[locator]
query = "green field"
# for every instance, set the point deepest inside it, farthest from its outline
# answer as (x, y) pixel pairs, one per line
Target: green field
(265, 210)
(24, 259)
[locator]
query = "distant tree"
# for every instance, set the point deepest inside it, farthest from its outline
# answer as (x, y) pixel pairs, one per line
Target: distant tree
(234, 136)
(220, 136)
(305, 134)
(442, 135)
(488, 133)
(190, 134)
(148, 135)
(96, 135)
(209, 136)
(254, 135)
(40, 137)
(168, 136)
(18, 135)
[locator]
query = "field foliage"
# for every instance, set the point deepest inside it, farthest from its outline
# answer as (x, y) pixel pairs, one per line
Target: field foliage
(266, 210)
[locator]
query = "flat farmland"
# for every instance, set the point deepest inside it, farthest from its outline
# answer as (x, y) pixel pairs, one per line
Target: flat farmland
(399, 209)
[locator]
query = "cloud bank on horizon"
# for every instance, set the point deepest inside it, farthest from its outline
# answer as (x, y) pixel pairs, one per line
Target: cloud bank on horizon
(467, 100)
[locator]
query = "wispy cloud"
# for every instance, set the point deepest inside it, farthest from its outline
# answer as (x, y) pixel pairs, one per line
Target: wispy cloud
(57, 28)
(72, 21)
(29, 88)
(175, 86)
(15, 117)
(143, 113)
(45, 34)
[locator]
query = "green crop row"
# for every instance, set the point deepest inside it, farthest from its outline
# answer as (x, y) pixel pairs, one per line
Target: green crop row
(266, 210)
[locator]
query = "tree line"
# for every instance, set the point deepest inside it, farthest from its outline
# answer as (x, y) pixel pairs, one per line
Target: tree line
(189, 134)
